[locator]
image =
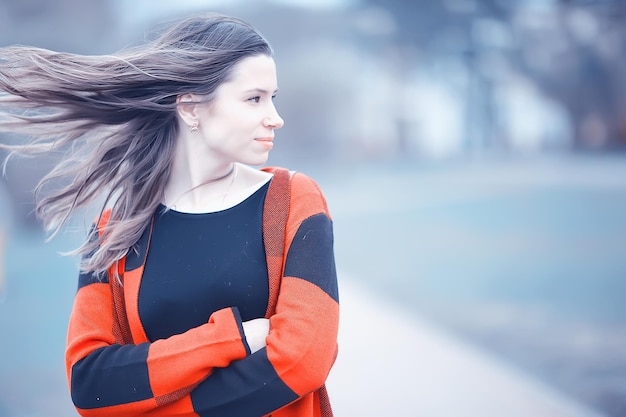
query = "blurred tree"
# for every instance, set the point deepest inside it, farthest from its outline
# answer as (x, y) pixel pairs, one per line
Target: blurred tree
(586, 69)
(573, 50)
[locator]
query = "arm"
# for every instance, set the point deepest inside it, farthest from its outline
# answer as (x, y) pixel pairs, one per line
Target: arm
(301, 345)
(110, 379)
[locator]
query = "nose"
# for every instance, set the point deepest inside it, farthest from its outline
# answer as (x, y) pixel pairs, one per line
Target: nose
(273, 121)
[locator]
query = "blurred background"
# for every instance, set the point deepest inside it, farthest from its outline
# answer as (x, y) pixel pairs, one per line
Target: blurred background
(472, 153)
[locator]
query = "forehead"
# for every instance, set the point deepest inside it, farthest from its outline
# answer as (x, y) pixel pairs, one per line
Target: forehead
(255, 72)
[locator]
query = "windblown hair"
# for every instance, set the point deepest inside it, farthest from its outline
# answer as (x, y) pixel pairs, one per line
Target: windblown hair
(115, 118)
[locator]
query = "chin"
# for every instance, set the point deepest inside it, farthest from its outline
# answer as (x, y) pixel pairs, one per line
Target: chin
(257, 161)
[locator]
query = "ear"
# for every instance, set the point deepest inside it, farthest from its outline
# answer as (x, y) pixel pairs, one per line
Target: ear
(186, 108)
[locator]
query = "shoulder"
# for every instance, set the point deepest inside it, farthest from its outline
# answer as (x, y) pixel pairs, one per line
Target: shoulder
(302, 185)
(306, 199)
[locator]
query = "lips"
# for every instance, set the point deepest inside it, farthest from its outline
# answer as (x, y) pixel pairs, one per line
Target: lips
(267, 142)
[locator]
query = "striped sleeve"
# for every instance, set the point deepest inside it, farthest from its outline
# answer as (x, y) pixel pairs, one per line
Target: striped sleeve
(302, 343)
(107, 379)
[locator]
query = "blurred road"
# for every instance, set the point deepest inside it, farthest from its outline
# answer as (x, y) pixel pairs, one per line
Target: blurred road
(521, 257)
(392, 363)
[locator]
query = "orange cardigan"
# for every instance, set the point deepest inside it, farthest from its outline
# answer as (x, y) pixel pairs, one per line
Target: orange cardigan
(208, 370)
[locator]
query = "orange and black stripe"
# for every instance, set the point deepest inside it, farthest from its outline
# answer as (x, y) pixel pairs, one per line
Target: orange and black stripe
(208, 370)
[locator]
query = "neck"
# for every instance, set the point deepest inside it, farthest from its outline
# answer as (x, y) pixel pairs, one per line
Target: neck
(196, 196)
(195, 163)
(199, 176)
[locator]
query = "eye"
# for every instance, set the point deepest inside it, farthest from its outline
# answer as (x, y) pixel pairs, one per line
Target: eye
(255, 99)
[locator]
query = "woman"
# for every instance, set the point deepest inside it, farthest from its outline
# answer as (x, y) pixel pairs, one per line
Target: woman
(165, 135)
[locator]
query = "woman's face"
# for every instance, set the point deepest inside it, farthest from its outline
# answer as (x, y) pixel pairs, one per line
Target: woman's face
(238, 124)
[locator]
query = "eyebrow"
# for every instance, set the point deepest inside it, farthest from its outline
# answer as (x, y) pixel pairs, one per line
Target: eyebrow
(260, 91)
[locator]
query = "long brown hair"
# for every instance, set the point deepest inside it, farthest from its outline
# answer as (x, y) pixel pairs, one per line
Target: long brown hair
(115, 117)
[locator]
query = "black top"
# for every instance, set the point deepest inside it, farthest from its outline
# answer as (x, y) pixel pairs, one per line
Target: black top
(200, 263)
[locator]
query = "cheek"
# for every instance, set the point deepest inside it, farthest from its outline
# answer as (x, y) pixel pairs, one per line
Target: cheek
(232, 122)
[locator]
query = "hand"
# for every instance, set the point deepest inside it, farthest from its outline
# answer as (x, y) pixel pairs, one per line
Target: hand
(256, 330)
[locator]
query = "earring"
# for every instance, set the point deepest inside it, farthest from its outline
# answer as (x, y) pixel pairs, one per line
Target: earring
(194, 127)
